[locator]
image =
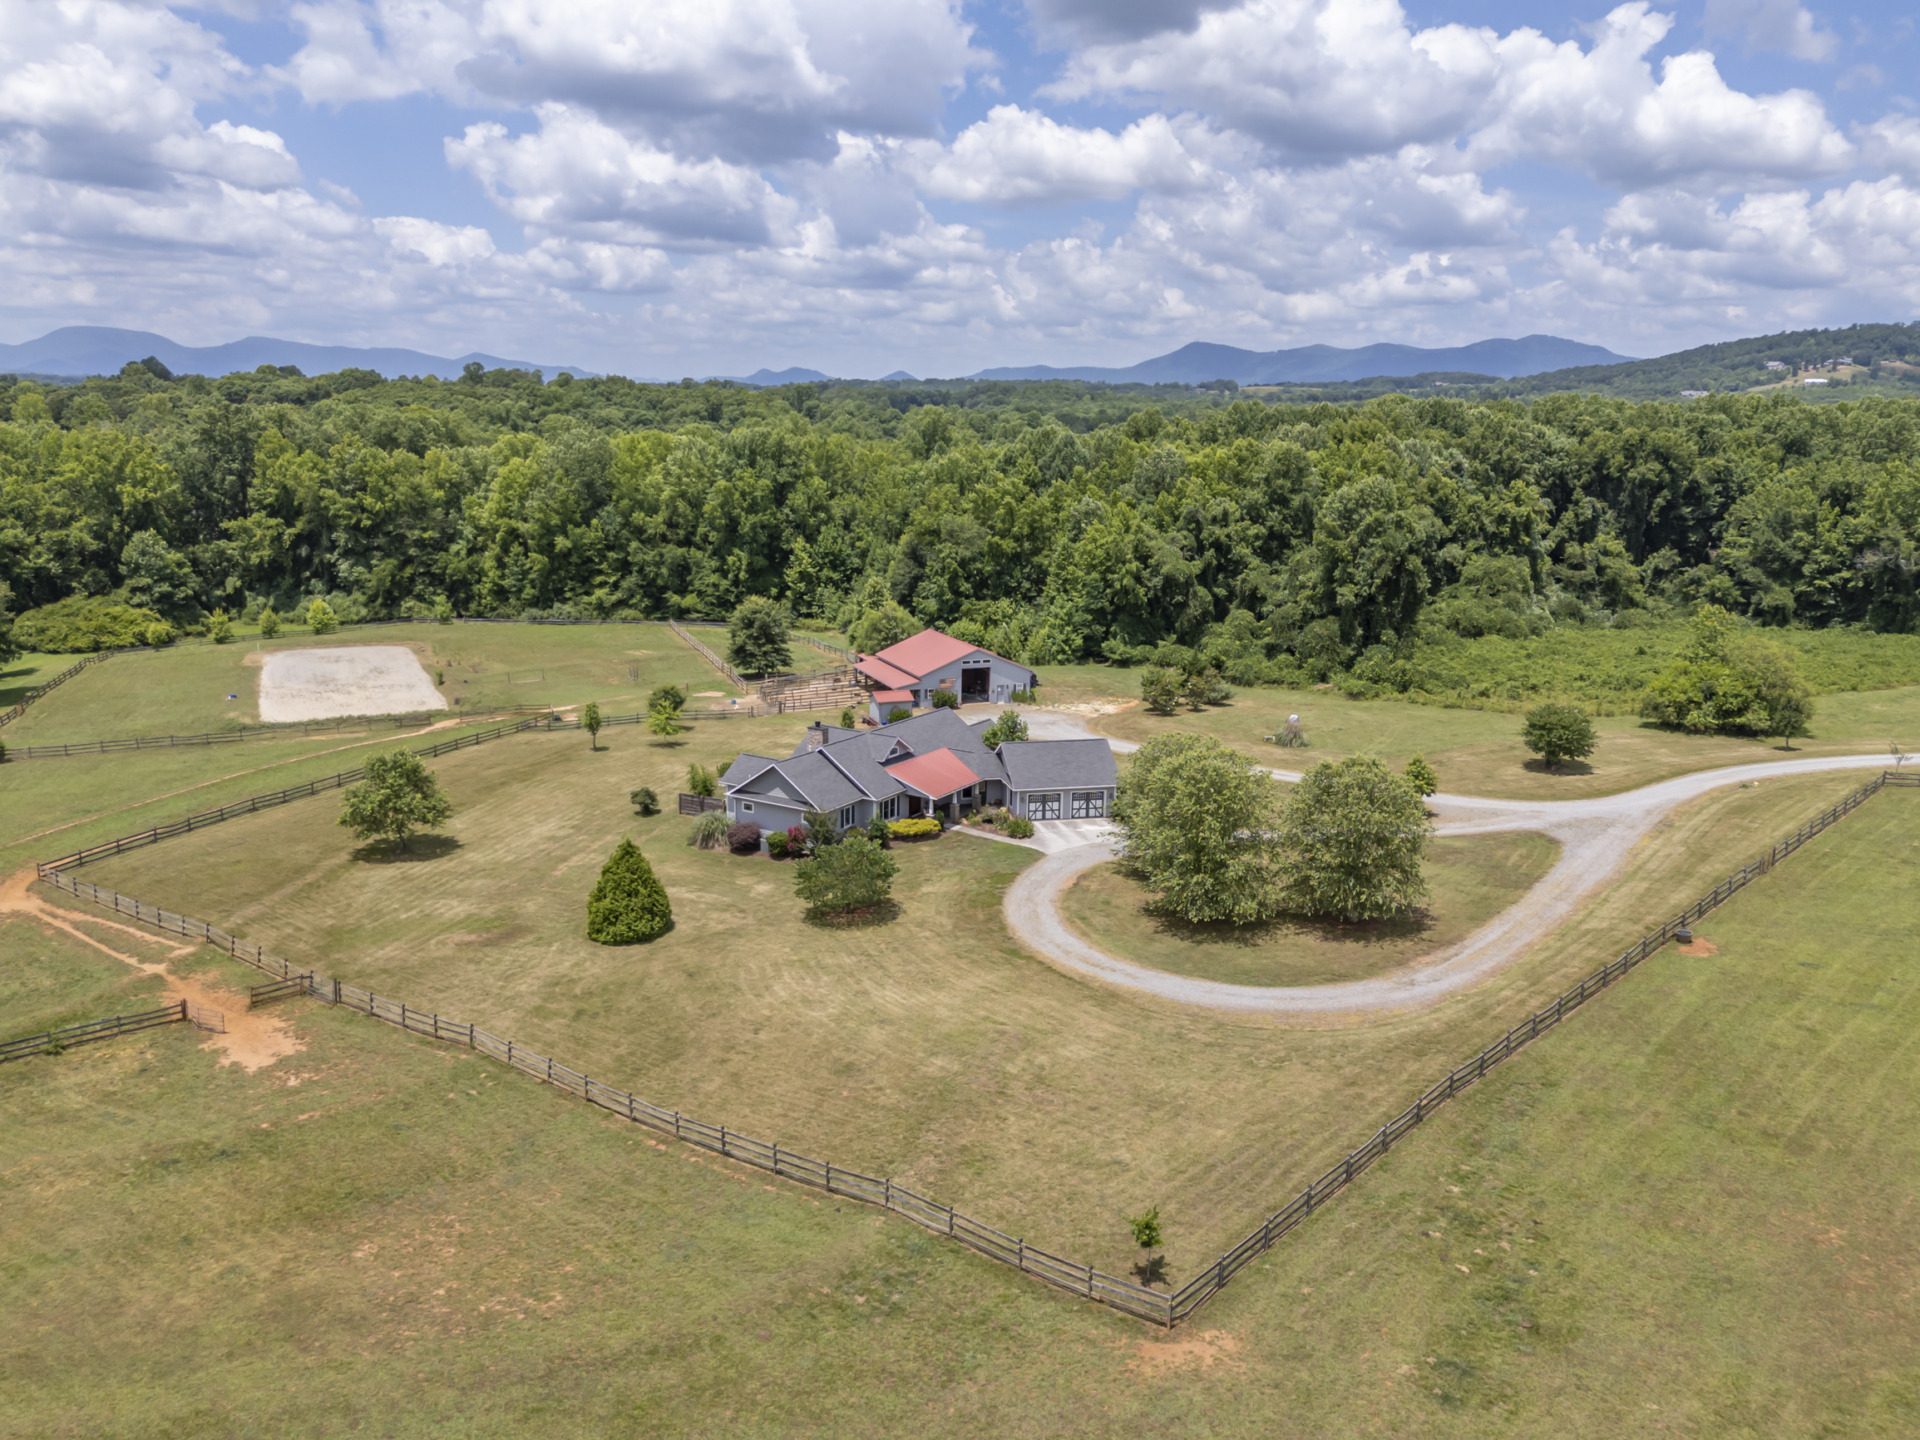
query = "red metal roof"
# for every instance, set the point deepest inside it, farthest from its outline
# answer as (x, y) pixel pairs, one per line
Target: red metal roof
(926, 652)
(874, 668)
(894, 697)
(936, 774)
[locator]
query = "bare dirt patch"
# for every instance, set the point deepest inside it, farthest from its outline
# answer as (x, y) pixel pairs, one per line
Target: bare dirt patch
(1208, 1350)
(253, 1039)
(330, 682)
(1699, 947)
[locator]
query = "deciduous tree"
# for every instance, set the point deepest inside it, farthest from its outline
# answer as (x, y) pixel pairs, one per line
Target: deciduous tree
(757, 637)
(1197, 826)
(398, 798)
(1350, 838)
(1557, 732)
(843, 880)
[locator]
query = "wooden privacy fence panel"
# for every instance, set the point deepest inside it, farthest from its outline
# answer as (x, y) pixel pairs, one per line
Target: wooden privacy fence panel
(1157, 1306)
(86, 1032)
(700, 804)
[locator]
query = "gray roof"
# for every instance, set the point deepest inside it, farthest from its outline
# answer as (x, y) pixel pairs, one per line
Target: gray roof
(1059, 764)
(853, 762)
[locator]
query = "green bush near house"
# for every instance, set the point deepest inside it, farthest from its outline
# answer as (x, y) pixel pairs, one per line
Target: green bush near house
(918, 827)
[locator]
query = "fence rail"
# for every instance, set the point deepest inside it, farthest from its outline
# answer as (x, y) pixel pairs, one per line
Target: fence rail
(1158, 1306)
(86, 1032)
(345, 725)
(707, 653)
(13, 714)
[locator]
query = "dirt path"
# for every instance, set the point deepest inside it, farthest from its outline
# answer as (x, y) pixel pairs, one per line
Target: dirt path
(252, 1040)
(1596, 836)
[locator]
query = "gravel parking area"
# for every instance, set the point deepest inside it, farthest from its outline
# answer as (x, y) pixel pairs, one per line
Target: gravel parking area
(335, 681)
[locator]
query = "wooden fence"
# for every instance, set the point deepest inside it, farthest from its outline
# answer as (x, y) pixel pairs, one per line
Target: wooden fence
(9, 716)
(700, 804)
(1142, 1302)
(52, 1042)
(346, 725)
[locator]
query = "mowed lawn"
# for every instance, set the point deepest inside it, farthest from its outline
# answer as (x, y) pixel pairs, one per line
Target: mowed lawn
(931, 1047)
(1688, 1212)
(1471, 878)
(185, 689)
(1476, 752)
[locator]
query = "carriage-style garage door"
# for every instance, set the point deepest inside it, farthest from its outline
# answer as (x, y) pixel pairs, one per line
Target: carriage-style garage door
(1044, 807)
(1089, 804)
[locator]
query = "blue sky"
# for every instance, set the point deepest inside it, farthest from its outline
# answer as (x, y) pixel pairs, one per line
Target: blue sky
(707, 186)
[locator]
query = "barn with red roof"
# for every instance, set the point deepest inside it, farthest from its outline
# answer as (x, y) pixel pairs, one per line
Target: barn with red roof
(912, 671)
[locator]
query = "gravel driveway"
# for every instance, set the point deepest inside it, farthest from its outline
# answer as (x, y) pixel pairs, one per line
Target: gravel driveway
(1595, 838)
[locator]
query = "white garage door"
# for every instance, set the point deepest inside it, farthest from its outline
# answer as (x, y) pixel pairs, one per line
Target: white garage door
(1044, 807)
(1089, 804)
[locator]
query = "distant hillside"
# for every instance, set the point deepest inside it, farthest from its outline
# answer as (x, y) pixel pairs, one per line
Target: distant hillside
(1879, 353)
(763, 377)
(1198, 363)
(81, 350)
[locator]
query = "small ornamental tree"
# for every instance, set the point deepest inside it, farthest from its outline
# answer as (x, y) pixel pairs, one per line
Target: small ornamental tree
(757, 641)
(1008, 727)
(1197, 823)
(320, 617)
(843, 880)
(629, 904)
(1420, 775)
(1204, 687)
(269, 623)
(1160, 689)
(644, 801)
(1781, 698)
(702, 781)
(671, 694)
(663, 718)
(443, 611)
(1146, 1234)
(398, 797)
(822, 829)
(1351, 837)
(219, 627)
(944, 699)
(848, 719)
(1557, 732)
(590, 722)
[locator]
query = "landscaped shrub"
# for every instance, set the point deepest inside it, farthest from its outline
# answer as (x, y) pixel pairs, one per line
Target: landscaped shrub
(629, 905)
(1017, 827)
(743, 837)
(709, 832)
(877, 830)
(899, 712)
(1160, 689)
(846, 880)
(219, 627)
(945, 700)
(918, 827)
(798, 840)
(1022, 696)
(777, 844)
(644, 801)
(269, 623)
(822, 829)
(83, 623)
(701, 781)
(321, 618)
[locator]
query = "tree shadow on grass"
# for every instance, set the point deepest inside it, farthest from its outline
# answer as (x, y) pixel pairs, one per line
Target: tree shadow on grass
(1151, 1272)
(1409, 926)
(885, 913)
(418, 848)
(1564, 768)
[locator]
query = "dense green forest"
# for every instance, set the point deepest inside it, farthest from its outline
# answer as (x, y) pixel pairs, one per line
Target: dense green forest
(1054, 522)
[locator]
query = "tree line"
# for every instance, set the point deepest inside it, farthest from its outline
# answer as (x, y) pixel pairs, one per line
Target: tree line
(1053, 523)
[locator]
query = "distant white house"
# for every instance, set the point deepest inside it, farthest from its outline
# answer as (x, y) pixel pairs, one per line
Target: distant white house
(1815, 380)
(1694, 394)
(1776, 364)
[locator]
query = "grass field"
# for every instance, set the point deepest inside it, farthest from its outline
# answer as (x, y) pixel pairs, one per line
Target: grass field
(184, 689)
(929, 1048)
(1472, 879)
(1688, 1213)
(1478, 752)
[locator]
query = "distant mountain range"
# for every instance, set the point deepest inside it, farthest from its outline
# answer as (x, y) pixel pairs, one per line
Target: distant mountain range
(1199, 362)
(80, 350)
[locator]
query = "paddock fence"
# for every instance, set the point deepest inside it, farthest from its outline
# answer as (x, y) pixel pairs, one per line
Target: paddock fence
(13, 714)
(345, 725)
(87, 1032)
(1142, 1302)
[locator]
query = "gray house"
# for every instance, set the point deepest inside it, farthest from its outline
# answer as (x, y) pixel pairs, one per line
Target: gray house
(932, 764)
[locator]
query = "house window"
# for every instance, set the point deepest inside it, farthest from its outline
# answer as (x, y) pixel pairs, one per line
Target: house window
(1044, 806)
(1089, 804)
(846, 817)
(890, 808)
(746, 807)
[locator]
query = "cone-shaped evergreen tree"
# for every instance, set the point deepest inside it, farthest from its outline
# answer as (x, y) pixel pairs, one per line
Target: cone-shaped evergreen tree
(629, 905)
